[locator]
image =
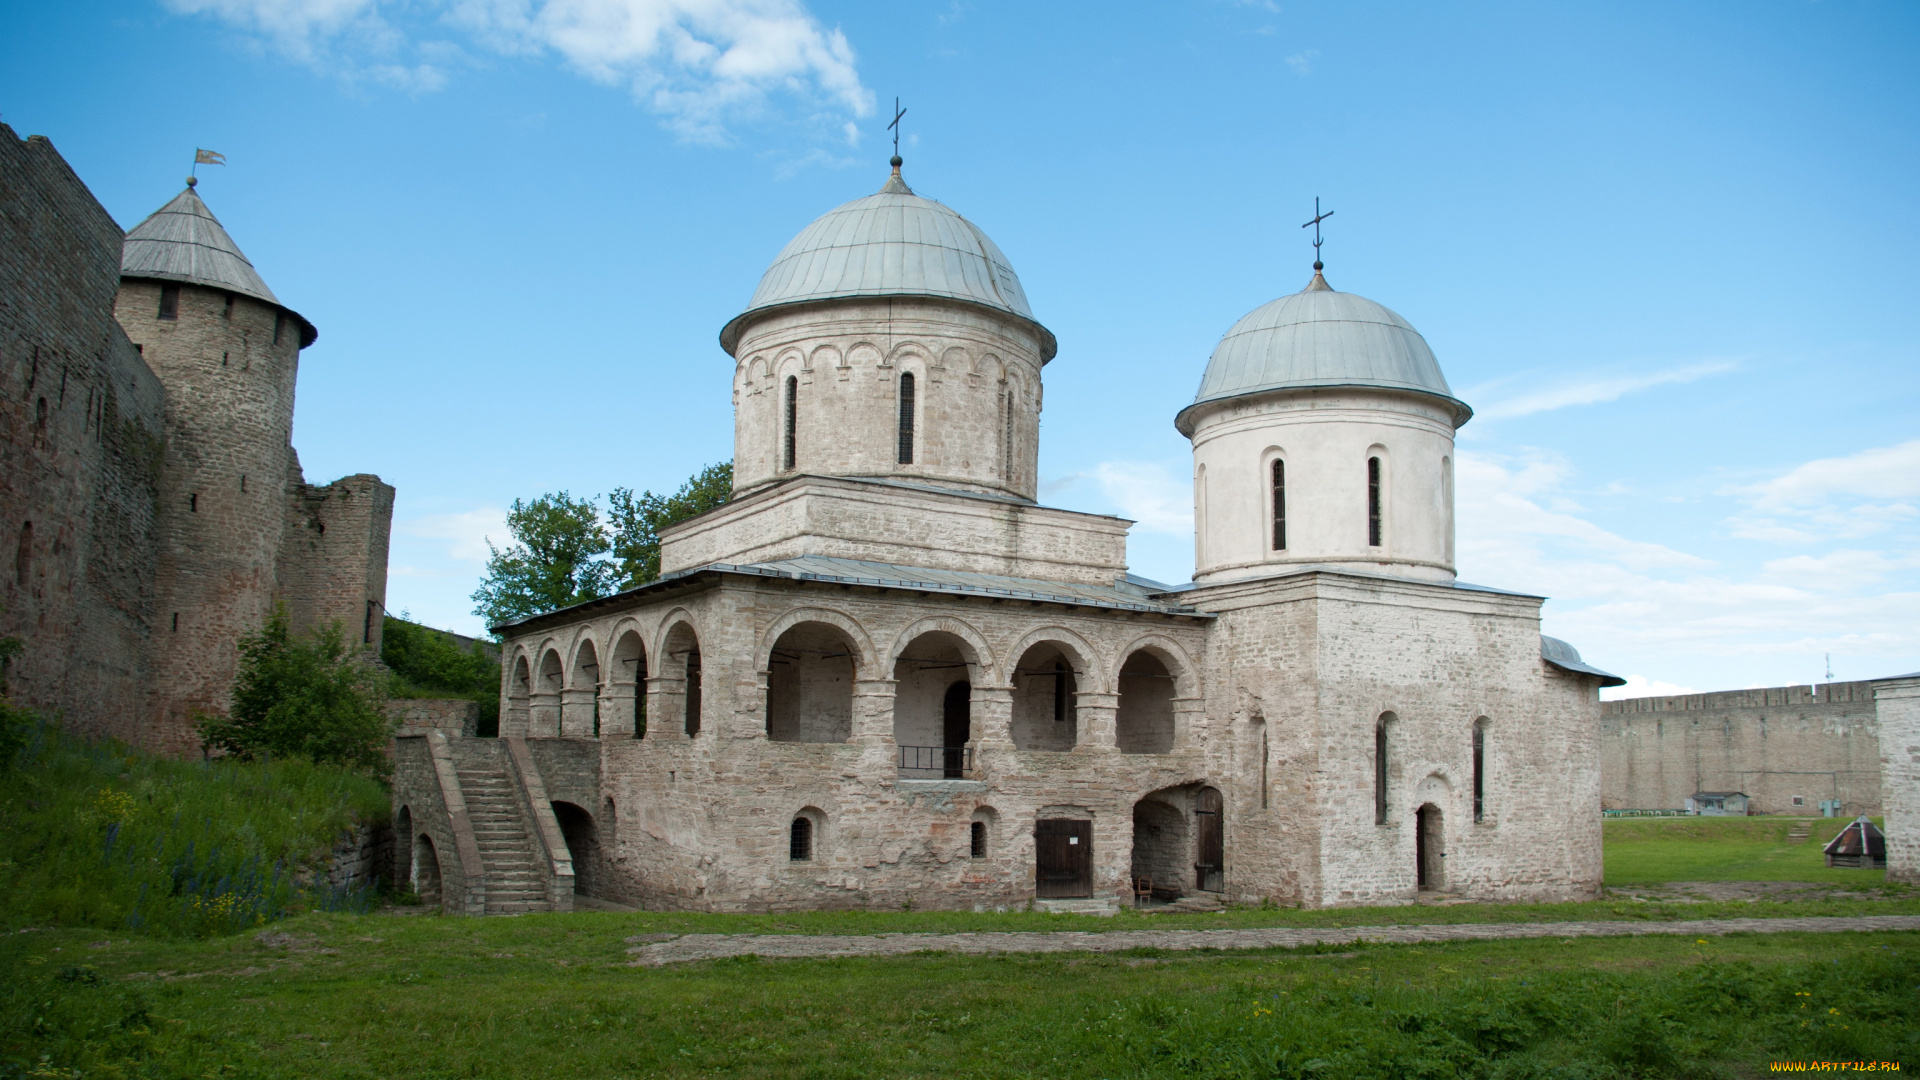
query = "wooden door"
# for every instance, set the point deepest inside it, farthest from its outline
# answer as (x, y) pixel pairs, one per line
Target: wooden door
(1210, 848)
(1064, 853)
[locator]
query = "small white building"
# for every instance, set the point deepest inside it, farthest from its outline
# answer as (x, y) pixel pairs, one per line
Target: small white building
(1717, 804)
(884, 674)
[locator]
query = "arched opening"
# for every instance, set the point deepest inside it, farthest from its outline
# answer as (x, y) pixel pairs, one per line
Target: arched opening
(1480, 769)
(932, 705)
(800, 840)
(399, 869)
(23, 555)
(519, 695)
(907, 404)
(982, 840)
(424, 874)
(1143, 723)
(580, 703)
(683, 662)
(792, 424)
(1209, 847)
(583, 845)
(1373, 502)
(1429, 848)
(544, 705)
(810, 685)
(627, 686)
(1046, 683)
(1162, 847)
(1278, 495)
(1381, 731)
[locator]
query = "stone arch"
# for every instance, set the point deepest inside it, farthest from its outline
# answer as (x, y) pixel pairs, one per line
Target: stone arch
(519, 694)
(789, 361)
(1179, 664)
(983, 839)
(827, 356)
(807, 835)
(991, 368)
(810, 670)
(626, 682)
(755, 372)
(1051, 669)
(678, 659)
(1143, 719)
(400, 855)
(931, 661)
(582, 835)
(865, 354)
(425, 872)
(1430, 847)
(978, 653)
(866, 664)
(1078, 650)
(585, 673)
(549, 682)
(909, 356)
(1163, 842)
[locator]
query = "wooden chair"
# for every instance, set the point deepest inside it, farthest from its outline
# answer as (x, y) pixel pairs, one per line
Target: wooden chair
(1142, 891)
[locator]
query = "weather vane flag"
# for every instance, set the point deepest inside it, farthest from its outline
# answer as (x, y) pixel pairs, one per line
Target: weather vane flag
(203, 157)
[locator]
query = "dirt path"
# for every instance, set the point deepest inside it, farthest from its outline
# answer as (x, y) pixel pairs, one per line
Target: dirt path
(649, 952)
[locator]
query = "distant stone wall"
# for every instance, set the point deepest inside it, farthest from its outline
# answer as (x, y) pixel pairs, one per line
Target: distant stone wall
(1774, 744)
(361, 857)
(1899, 709)
(449, 716)
(80, 446)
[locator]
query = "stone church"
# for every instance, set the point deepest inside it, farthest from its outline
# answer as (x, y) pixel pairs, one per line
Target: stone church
(883, 674)
(149, 486)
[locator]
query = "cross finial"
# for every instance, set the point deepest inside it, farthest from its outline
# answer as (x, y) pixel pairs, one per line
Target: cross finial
(894, 127)
(1318, 217)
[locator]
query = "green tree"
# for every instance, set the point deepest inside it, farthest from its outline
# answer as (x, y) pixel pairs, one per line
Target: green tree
(427, 663)
(636, 520)
(556, 559)
(312, 697)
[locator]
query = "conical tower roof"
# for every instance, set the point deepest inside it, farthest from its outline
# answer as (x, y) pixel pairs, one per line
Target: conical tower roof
(183, 241)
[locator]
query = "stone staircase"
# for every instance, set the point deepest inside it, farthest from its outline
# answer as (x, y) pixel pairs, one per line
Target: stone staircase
(1801, 830)
(514, 882)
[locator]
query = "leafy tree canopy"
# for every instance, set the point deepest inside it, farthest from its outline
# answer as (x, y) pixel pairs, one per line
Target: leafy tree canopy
(563, 553)
(429, 663)
(313, 697)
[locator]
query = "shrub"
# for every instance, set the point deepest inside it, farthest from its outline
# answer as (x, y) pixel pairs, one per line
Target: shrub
(313, 698)
(427, 663)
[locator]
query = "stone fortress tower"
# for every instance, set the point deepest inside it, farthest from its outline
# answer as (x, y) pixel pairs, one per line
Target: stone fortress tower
(185, 517)
(884, 674)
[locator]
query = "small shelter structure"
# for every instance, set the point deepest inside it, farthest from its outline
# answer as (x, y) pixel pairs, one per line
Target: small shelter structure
(1861, 844)
(1718, 804)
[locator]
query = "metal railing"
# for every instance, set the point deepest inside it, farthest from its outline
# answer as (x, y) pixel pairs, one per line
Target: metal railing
(947, 762)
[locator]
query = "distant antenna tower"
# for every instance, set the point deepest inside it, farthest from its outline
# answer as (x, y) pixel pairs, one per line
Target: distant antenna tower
(1829, 667)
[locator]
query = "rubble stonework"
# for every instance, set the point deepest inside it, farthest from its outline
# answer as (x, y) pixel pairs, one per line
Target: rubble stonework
(882, 675)
(150, 486)
(1899, 711)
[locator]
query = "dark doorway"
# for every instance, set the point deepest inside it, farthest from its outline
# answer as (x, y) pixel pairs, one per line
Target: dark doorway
(1064, 858)
(956, 727)
(1210, 847)
(583, 844)
(1429, 848)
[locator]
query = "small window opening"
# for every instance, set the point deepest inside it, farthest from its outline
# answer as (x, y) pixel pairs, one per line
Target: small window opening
(1279, 505)
(906, 419)
(243, 483)
(1380, 773)
(693, 691)
(40, 414)
(223, 359)
(139, 349)
(1373, 502)
(800, 840)
(1059, 692)
(228, 313)
(1479, 771)
(1006, 439)
(193, 503)
(279, 321)
(23, 558)
(793, 417)
(169, 302)
(979, 846)
(176, 622)
(366, 638)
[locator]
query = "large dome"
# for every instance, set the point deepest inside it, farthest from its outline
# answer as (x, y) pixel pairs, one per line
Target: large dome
(1321, 338)
(892, 243)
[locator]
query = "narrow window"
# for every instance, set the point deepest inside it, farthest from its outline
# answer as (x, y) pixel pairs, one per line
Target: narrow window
(979, 847)
(366, 638)
(169, 302)
(693, 691)
(223, 359)
(193, 504)
(1059, 692)
(1006, 438)
(1479, 770)
(1380, 773)
(906, 419)
(1266, 784)
(40, 414)
(793, 416)
(1279, 505)
(228, 314)
(279, 320)
(800, 840)
(243, 483)
(23, 558)
(176, 622)
(1373, 502)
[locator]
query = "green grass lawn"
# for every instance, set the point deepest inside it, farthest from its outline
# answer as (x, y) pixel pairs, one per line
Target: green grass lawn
(342, 996)
(1652, 851)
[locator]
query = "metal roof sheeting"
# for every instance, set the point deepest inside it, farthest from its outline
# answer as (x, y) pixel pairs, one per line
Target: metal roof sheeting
(1322, 338)
(1567, 658)
(183, 241)
(892, 243)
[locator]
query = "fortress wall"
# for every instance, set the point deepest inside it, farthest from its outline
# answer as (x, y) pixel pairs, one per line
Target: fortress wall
(80, 442)
(333, 559)
(1776, 743)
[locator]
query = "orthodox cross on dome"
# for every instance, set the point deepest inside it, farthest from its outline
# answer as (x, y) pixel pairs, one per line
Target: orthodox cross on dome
(894, 127)
(1318, 217)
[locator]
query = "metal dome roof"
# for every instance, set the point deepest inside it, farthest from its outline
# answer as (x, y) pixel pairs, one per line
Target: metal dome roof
(1321, 338)
(891, 243)
(183, 241)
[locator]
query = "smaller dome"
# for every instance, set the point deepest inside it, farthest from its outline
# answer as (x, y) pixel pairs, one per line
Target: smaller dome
(1321, 338)
(891, 243)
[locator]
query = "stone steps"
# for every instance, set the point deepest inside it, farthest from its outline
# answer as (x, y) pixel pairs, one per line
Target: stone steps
(515, 885)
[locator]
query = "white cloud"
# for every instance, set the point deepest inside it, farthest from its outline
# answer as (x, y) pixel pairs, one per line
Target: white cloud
(696, 63)
(463, 536)
(1595, 391)
(1861, 494)
(1302, 62)
(1641, 686)
(1149, 493)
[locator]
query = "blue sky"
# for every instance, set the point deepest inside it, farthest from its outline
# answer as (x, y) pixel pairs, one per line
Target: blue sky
(1666, 251)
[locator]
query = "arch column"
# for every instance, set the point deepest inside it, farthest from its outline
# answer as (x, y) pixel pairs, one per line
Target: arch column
(543, 715)
(1189, 722)
(576, 712)
(873, 712)
(666, 708)
(992, 718)
(750, 705)
(514, 718)
(1098, 730)
(616, 710)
